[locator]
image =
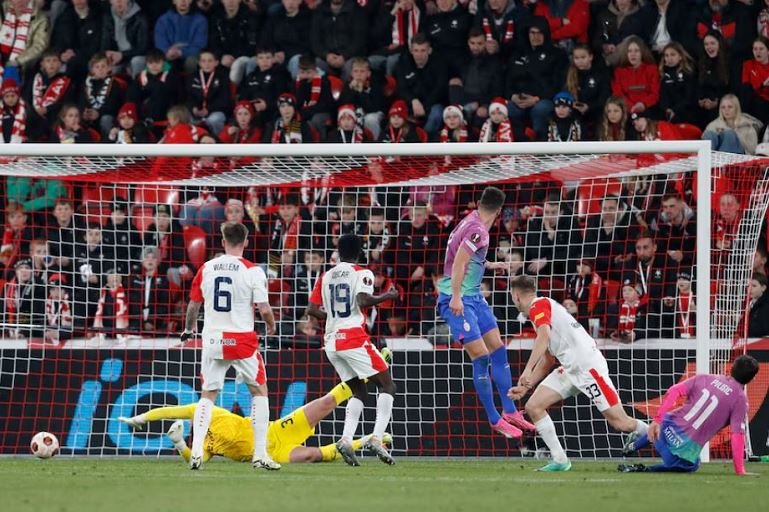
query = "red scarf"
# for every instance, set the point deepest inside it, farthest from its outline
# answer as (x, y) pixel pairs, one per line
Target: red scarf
(13, 34)
(504, 132)
(12, 242)
(44, 96)
(205, 86)
(458, 135)
(627, 316)
(509, 30)
(58, 313)
(315, 86)
(291, 234)
(120, 308)
(19, 130)
(11, 290)
(401, 34)
(288, 134)
(396, 135)
(65, 136)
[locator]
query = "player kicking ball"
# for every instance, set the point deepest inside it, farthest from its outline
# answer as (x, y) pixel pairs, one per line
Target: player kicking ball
(712, 402)
(583, 370)
(469, 316)
(344, 292)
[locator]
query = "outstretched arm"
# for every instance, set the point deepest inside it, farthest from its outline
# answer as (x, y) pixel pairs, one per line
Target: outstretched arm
(367, 300)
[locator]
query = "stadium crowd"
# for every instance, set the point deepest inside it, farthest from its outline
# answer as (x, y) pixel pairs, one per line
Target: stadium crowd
(344, 71)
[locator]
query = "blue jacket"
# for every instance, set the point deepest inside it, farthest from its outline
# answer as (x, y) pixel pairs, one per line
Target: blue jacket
(190, 30)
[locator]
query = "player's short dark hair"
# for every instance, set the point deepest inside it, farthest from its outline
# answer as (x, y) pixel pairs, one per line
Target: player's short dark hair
(744, 369)
(492, 199)
(761, 278)
(523, 284)
(349, 247)
(234, 233)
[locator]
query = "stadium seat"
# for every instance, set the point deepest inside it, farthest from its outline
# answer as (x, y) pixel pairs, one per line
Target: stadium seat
(591, 192)
(195, 242)
(612, 291)
(152, 194)
(336, 86)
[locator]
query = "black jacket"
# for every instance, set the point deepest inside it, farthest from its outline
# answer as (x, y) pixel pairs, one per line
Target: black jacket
(537, 71)
(154, 94)
(236, 36)
(369, 100)
(265, 85)
(677, 93)
(758, 318)
(289, 34)
(126, 246)
(516, 17)
(428, 84)
(343, 33)
(303, 93)
(158, 305)
(84, 36)
(593, 89)
(448, 31)
(137, 32)
(481, 79)
(562, 252)
(679, 23)
(218, 98)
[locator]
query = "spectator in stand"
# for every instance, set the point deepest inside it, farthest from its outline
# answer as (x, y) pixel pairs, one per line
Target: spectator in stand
(377, 240)
(166, 235)
(510, 231)
(243, 130)
(568, 21)
(23, 37)
(733, 131)
(498, 128)
(758, 307)
(669, 21)
(34, 195)
(588, 82)
(304, 283)
(63, 236)
(289, 127)
(181, 34)
(347, 208)
(762, 20)
(291, 232)
(454, 125)
(76, 36)
(423, 82)
(149, 294)
(676, 229)
(338, 33)
(441, 200)
(308, 332)
(399, 129)
(208, 92)
(129, 130)
(553, 241)
(313, 95)
(263, 85)
(17, 236)
(48, 90)
(234, 212)
(58, 310)
(365, 91)
(477, 80)
(761, 258)
(679, 310)
(647, 128)
(155, 91)
(91, 256)
(725, 225)
(125, 36)
(112, 313)
(636, 77)
(42, 261)
(613, 124)
(397, 22)
(678, 86)
(348, 131)
(122, 239)
(417, 247)
(564, 125)
(650, 268)
(586, 289)
(13, 111)
(101, 96)
(23, 302)
(499, 20)
(755, 80)
(715, 76)
(609, 236)
(630, 320)
(233, 30)
(286, 33)
(534, 75)
(448, 28)
(617, 21)
(725, 16)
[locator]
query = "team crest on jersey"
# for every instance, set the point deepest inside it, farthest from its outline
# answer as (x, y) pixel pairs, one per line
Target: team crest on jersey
(466, 326)
(367, 281)
(475, 238)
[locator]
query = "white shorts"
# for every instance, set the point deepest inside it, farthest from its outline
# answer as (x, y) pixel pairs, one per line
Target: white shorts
(250, 371)
(594, 382)
(361, 362)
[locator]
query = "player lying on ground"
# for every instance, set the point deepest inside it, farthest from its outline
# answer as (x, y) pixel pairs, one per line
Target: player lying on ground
(583, 370)
(469, 316)
(231, 436)
(712, 402)
(344, 292)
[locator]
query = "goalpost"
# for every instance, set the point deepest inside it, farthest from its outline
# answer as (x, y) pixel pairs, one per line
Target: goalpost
(571, 206)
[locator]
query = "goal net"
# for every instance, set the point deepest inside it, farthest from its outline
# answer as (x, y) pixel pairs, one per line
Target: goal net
(650, 245)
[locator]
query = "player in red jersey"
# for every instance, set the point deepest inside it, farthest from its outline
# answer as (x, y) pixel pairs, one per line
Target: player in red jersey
(229, 286)
(344, 292)
(583, 370)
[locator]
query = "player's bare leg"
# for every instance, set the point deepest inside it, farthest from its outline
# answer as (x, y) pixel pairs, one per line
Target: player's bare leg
(351, 419)
(537, 406)
(503, 380)
(479, 355)
(384, 407)
(201, 421)
(260, 421)
(619, 420)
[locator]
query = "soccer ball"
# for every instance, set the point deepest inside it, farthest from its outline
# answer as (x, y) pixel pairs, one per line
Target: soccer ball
(44, 445)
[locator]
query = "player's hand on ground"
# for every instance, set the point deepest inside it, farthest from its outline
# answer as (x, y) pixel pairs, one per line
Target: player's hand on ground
(517, 392)
(456, 306)
(654, 432)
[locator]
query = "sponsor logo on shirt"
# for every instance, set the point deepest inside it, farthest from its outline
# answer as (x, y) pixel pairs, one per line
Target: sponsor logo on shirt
(475, 238)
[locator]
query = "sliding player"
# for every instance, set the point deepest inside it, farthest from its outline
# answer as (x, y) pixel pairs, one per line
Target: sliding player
(712, 402)
(343, 292)
(469, 316)
(231, 436)
(583, 370)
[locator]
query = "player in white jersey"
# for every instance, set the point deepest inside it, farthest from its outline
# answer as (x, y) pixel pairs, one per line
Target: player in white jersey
(229, 286)
(344, 292)
(583, 370)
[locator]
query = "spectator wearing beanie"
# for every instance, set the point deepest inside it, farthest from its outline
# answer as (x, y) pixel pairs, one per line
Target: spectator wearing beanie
(478, 79)
(588, 81)
(348, 130)
(678, 85)
(616, 22)
(501, 21)
(365, 90)
(454, 126)
(23, 36)
(394, 26)
(563, 126)
(338, 33)
(448, 28)
(129, 130)
(208, 92)
(125, 35)
(289, 128)
(647, 127)
(498, 127)
(48, 90)
(77, 35)
(14, 113)
(636, 77)
(154, 91)
(534, 76)
(264, 84)
(243, 130)
(286, 33)
(233, 29)
(313, 95)
(423, 82)
(181, 33)
(399, 129)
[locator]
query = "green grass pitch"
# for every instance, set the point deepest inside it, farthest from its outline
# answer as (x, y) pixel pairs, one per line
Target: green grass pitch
(65, 484)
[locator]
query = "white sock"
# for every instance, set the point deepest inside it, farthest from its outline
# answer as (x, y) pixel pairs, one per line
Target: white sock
(200, 422)
(352, 417)
(180, 446)
(546, 430)
(384, 410)
(640, 427)
(260, 420)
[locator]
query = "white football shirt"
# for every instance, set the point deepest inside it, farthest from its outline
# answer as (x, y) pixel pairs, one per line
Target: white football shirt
(229, 287)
